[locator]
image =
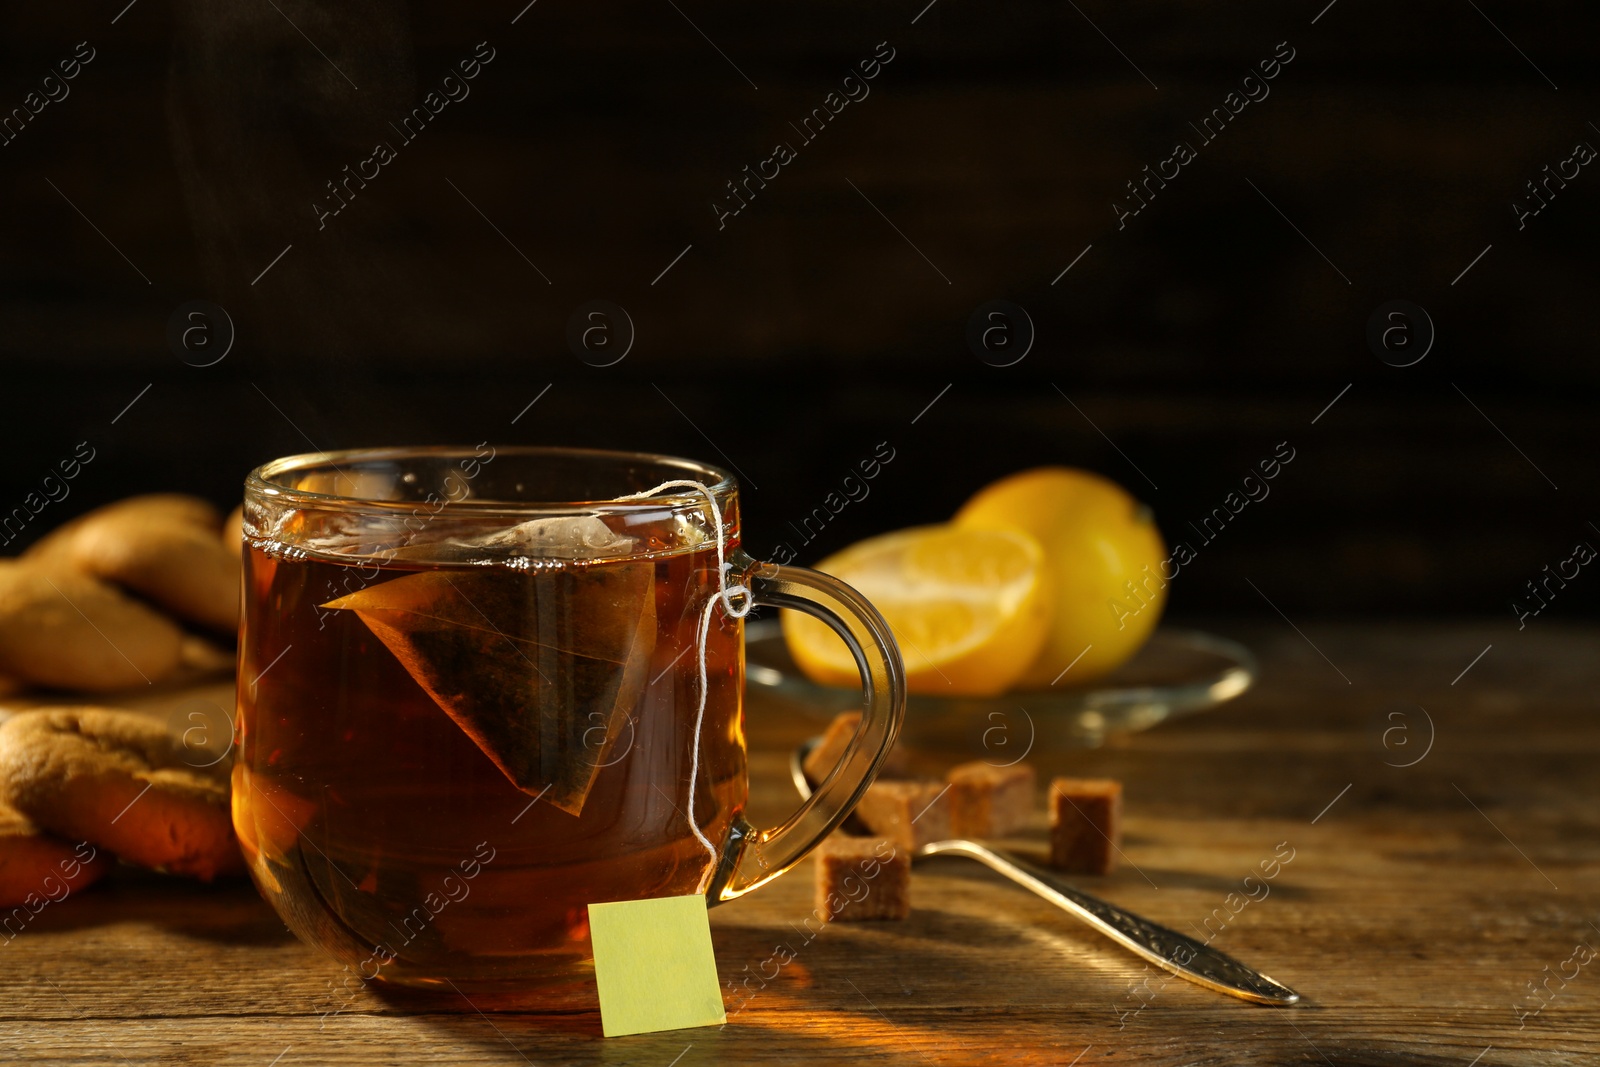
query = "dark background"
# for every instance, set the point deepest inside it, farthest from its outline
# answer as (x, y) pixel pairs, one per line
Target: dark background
(789, 344)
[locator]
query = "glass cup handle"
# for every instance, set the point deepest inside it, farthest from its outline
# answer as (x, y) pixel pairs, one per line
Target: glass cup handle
(753, 857)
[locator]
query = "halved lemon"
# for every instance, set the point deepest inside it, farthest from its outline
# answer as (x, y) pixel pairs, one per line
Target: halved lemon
(970, 608)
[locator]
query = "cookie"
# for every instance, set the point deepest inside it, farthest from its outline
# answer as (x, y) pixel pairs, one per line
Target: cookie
(205, 657)
(167, 547)
(68, 630)
(176, 507)
(37, 869)
(178, 565)
(118, 780)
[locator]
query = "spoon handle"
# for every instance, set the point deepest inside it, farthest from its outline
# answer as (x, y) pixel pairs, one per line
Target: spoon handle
(1168, 949)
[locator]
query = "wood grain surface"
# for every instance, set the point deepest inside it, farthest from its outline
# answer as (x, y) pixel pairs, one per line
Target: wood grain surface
(1420, 903)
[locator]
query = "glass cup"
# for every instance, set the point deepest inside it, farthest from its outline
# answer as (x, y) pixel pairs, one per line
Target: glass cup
(471, 703)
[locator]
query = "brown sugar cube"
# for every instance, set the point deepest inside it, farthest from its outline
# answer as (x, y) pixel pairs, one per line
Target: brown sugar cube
(861, 878)
(1085, 824)
(830, 750)
(989, 801)
(909, 813)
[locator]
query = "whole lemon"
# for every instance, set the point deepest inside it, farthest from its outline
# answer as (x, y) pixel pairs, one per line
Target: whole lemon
(1103, 558)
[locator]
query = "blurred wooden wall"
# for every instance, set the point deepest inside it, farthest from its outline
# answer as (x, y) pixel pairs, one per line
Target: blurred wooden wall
(791, 342)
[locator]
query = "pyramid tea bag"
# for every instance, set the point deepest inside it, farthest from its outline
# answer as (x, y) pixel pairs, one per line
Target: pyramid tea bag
(529, 662)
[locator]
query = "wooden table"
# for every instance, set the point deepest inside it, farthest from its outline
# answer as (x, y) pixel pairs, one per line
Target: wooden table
(1420, 903)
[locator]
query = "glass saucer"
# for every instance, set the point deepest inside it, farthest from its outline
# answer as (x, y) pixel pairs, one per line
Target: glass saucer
(1177, 672)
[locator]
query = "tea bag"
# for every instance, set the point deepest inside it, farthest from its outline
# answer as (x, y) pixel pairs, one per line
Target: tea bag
(538, 665)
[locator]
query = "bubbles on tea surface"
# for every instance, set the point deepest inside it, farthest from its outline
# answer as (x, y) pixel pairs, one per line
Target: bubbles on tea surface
(692, 531)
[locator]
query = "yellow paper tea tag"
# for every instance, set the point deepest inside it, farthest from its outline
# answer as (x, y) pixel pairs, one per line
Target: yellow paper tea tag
(654, 966)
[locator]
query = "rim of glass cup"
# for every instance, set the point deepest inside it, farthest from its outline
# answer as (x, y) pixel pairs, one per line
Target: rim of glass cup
(261, 480)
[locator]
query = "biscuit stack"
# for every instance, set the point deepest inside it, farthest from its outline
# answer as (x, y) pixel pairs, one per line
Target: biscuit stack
(120, 598)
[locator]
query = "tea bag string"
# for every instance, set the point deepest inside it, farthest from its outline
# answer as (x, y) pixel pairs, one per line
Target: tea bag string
(734, 609)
